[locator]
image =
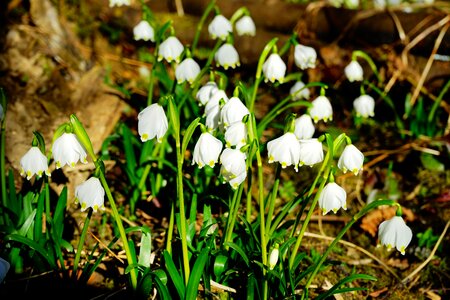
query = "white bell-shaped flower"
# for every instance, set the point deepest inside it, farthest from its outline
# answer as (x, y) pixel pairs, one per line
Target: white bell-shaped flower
(207, 150)
(354, 71)
(274, 68)
(311, 152)
(299, 92)
(119, 3)
(170, 49)
(187, 70)
(351, 160)
(233, 169)
(236, 135)
(205, 92)
(152, 122)
(144, 31)
(246, 26)
(227, 56)
(304, 127)
(332, 198)
(273, 257)
(364, 106)
(67, 150)
(305, 57)
(220, 27)
(34, 162)
(285, 150)
(90, 194)
(233, 111)
(321, 109)
(212, 109)
(395, 233)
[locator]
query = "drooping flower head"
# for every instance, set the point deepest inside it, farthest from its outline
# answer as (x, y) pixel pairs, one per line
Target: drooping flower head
(354, 71)
(207, 150)
(285, 150)
(273, 256)
(395, 233)
(233, 168)
(321, 109)
(304, 127)
(212, 109)
(364, 106)
(311, 152)
(351, 160)
(299, 92)
(144, 31)
(119, 3)
(220, 27)
(305, 57)
(67, 150)
(187, 70)
(236, 135)
(245, 26)
(90, 194)
(206, 91)
(332, 198)
(233, 111)
(152, 122)
(170, 49)
(34, 162)
(227, 56)
(274, 68)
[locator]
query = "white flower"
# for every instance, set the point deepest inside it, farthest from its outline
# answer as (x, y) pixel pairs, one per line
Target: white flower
(205, 92)
(354, 71)
(212, 109)
(170, 49)
(273, 257)
(311, 152)
(144, 31)
(364, 106)
(321, 109)
(246, 26)
(351, 160)
(227, 56)
(187, 70)
(305, 57)
(4, 268)
(152, 122)
(395, 233)
(285, 150)
(34, 162)
(233, 169)
(298, 91)
(233, 111)
(67, 150)
(236, 135)
(207, 150)
(332, 198)
(113, 3)
(274, 68)
(90, 194)
(220, 27)
(304, 127)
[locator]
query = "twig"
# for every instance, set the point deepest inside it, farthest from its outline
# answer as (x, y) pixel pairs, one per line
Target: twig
(351, 245)
(430, 257)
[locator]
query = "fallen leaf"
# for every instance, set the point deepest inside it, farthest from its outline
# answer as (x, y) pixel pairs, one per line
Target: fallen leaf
(370, 222)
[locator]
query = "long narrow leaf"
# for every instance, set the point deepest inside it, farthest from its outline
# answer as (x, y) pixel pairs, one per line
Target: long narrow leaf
(173, 273)
(196, 274)
(33, 245)
(146, 249)
(239, 250)
(346, 280)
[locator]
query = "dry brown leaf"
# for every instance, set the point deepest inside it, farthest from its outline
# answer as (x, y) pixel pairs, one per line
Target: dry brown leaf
(378, 293)
(370, 222)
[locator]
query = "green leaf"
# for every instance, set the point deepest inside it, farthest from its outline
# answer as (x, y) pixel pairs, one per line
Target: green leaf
(174, 275)
(130, 156)
(334, 289)
(27, 224)
(239, 251)
(58, 217)
(161, 288)
(38, 220)
(188, 134)
(430, 162)
(174, 118)
(196, 274)
(33, 245)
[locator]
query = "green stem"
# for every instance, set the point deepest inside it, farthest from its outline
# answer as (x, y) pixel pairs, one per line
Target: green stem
(273, 197)
(307, 219)
(81, 243)
(364, 211)
(234, 206)
(201, 23)
(2, 164)
(438, 101)
(170, 229)
(359, 53)
(123, 236)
